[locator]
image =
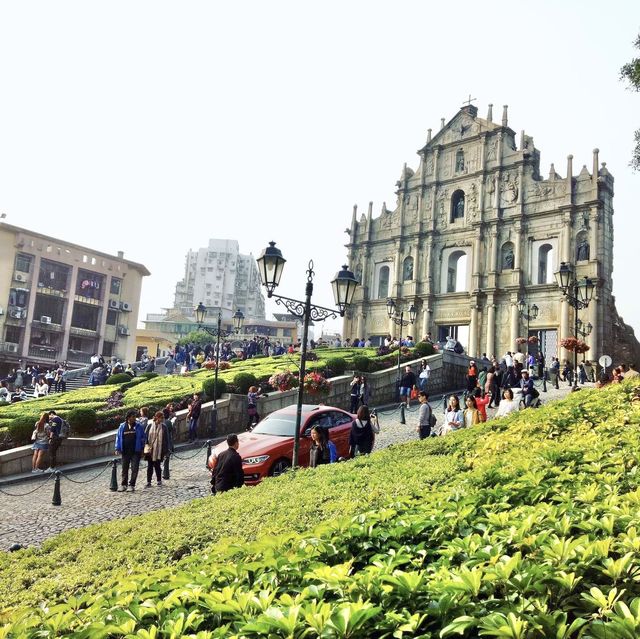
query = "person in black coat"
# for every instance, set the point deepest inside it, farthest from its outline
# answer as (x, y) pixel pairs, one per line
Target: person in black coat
(362, 435)
(227, 473)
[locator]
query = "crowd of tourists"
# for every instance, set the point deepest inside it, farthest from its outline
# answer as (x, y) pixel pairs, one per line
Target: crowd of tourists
(33, 381)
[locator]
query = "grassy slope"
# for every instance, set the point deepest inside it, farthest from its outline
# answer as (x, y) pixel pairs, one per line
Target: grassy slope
(87, 559)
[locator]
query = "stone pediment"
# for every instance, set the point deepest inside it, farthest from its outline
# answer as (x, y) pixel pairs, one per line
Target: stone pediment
(464, 125)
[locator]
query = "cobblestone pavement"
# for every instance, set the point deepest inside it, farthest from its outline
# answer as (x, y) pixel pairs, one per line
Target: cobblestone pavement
(31, 519)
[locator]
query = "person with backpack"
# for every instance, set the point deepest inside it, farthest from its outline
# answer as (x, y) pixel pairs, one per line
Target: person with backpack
(156, 447)
(426, 418)
(58, 430)
(362, 433)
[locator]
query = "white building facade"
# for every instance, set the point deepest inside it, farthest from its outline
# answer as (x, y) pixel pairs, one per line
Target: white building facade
(221, 278)
(475, 229)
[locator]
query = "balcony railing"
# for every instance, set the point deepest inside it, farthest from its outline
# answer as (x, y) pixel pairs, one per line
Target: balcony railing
(83, 332)
(47, 326)
(43, 352)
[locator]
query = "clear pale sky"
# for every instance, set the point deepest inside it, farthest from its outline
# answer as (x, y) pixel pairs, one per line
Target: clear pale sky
(149, 126)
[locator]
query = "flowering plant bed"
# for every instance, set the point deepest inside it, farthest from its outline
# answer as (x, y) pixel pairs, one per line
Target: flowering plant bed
(521, 340)
(316, 384)
(283, 381)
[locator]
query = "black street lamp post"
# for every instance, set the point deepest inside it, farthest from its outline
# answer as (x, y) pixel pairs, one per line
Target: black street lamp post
(270, 265)
(218, 333)
(397, 316)
(578, 294)
(529, 313)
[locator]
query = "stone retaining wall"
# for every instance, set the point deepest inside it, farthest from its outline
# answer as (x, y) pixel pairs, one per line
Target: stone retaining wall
(447, 373)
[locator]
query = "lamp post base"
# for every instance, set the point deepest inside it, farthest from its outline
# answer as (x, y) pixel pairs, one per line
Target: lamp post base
(213, 426)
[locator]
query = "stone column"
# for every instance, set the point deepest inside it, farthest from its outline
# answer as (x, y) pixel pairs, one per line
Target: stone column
(473, 331)
(565, 327)
(593, 340)
(491, 330)
(515, 317)
(360, 323)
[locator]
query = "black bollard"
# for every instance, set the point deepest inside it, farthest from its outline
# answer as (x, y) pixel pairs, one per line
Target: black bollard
(402, 409)
(165, 469)
(57, 500)
(206, 463)
(544, 381)
(114, 475)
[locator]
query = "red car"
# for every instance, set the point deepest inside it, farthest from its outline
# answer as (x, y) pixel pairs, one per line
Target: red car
(268, 449)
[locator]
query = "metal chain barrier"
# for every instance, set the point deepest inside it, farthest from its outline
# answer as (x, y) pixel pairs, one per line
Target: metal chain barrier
(176, 456)
(42, 483)
(87, 481)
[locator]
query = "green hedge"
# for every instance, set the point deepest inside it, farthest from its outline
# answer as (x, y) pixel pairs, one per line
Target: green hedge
(539, 508)
(118, 378)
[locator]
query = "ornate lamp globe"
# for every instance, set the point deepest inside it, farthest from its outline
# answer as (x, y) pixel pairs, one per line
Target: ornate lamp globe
(344, 286)
(270, 265)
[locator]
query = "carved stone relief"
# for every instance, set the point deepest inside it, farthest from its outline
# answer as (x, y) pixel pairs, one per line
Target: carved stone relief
(509, 190)
(443, 197)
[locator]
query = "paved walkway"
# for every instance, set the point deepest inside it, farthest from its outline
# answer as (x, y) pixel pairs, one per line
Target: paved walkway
(31, 518)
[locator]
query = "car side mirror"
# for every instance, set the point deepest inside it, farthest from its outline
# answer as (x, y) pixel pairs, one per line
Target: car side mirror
(307, 433)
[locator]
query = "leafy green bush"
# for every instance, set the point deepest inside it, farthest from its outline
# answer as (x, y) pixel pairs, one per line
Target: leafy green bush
(118, 378)
(81, 420)
(337, 365)
(244, 380)
(208, 387)
(522, 528)
(424, 349)
(149, 375)
(361, 364)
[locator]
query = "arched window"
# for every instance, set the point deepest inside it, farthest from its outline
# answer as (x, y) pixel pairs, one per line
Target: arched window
(383, 283)
(457, 272)
(407, 269)
(545, 264)
(582, 247)
(457, 205)
(459, 161)
(507, 256)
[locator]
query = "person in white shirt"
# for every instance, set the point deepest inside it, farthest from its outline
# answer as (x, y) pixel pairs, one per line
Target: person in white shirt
(508, 404)
(508, 360)
(41, 388)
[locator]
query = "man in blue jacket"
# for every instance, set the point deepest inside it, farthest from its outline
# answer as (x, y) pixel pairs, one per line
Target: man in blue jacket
(130, 441)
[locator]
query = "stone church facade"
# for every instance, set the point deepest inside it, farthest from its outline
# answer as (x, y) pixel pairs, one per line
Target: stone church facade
(475, 229)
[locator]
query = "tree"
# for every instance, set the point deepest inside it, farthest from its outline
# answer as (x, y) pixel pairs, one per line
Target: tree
(631, 73)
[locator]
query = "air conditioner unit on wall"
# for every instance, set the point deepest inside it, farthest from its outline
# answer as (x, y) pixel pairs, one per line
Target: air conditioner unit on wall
(11, 348)
(125, 306)
(45, 319)
(123, 331)
(18, 313)
(19, 276)
(113, 304)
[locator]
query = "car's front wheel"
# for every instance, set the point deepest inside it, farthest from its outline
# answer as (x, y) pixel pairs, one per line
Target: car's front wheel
(279, 467)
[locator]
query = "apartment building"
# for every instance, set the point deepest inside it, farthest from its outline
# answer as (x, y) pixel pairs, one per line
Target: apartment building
(64, 302)
(222, 278)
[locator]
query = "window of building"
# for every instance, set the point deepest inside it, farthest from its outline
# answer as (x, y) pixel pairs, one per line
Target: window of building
(23, 263)
(112, 317)
(85, 316)
(383, 282)
(407, 269)
(90, 284)
(108, 349)
(53, 275)
(457, 272)
(507, 256)
(457, 205)
(49, 306)
(13, 334)
(19, 297)
(116, 286)
(545, 264)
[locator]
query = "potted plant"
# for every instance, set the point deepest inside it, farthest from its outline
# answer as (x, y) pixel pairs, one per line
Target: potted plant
(283, 381)
(316, 384)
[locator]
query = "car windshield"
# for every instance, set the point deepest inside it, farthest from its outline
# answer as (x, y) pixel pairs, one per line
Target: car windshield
(279, 425)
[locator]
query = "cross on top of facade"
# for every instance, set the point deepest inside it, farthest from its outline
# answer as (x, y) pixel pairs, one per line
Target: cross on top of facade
(470, 100)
